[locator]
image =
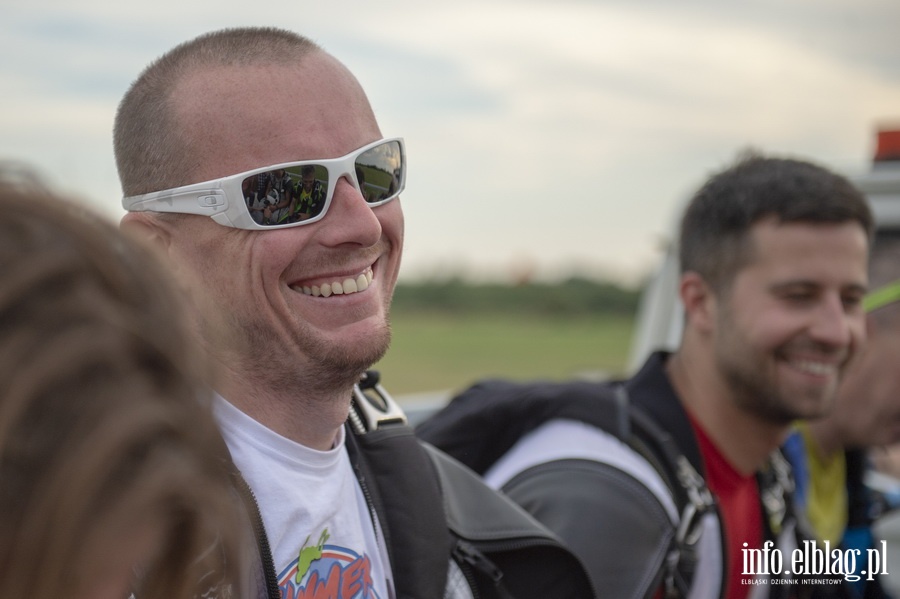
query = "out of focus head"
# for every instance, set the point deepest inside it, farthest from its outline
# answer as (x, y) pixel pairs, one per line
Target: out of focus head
(867, 413)
(111, 474)
(773, 256)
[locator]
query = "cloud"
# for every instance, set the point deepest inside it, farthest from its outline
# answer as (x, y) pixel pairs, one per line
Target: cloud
(537, 131)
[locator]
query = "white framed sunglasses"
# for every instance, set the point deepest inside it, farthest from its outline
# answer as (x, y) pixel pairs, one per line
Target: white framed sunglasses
(290, 194)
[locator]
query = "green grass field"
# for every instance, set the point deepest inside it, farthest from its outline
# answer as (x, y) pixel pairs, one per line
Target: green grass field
(440, 352)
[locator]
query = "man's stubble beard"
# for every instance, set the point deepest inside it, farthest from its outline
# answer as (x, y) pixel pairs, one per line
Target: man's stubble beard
(322, 367)
(752, 383)
(754, 395)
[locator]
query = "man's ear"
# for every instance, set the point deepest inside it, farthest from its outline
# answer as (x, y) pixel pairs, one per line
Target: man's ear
(154, 232)
(157, 234)
(699, 301)
(148, 229)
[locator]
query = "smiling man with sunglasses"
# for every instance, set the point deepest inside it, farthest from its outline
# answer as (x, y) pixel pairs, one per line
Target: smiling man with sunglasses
(293, 307)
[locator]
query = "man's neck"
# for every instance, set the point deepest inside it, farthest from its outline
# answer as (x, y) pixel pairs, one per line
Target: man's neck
(744, 439)
(312, 420)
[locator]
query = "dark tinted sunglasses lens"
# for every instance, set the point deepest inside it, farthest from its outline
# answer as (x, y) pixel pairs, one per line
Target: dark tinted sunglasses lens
(379, 171)
(286, 196)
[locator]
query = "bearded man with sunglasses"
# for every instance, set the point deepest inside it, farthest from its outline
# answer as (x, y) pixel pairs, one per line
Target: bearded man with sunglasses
(294, 313)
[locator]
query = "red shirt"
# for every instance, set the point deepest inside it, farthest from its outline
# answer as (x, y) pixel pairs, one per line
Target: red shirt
(739, 503)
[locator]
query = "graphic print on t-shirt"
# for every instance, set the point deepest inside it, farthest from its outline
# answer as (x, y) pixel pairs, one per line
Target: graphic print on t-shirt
(324, 571)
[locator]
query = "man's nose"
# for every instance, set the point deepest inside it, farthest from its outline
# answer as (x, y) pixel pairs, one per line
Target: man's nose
(349, 219)
(832, 323)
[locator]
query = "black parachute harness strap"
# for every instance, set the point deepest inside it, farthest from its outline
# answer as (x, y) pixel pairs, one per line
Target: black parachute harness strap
(434, 511)
(692, 496)
(412, 501)
(776, 486)
(372, 406)
(695, 500)
(402, 491)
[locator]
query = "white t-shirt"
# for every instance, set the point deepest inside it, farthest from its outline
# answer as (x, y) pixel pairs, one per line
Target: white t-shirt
(319, 525)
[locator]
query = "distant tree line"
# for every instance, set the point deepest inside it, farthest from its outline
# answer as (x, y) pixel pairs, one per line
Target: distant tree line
(572, 297)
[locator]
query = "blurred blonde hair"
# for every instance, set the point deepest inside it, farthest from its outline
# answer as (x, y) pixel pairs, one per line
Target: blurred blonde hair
(105, 423)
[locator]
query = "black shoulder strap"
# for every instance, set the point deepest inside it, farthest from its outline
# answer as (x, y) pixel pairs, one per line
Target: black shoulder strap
(432, 507)
(692, 497)
(400, 483)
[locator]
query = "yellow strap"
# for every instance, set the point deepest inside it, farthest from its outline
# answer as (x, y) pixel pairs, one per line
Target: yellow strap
(882, 296)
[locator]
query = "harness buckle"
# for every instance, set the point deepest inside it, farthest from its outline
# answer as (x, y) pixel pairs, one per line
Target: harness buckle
(372, 406)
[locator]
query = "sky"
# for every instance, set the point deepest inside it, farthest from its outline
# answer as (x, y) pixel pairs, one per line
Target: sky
(545, 139)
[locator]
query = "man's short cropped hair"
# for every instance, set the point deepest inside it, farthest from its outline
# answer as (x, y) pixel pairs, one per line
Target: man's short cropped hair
(152, 152)
(714, 235)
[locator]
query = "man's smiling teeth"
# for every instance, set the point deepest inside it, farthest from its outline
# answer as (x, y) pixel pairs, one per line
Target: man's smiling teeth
(344, 287)
(817, 368)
